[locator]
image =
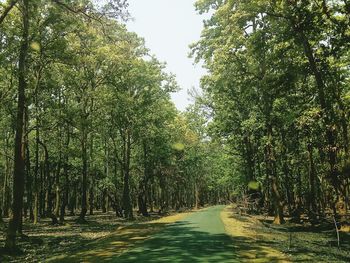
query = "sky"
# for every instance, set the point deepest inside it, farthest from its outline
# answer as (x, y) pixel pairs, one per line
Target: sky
(169, 27)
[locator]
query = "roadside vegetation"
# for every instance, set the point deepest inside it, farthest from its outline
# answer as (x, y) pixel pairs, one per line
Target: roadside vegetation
(103, 237)
(258, 240)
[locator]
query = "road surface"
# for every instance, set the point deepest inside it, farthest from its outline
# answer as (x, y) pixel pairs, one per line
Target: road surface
(200, 237)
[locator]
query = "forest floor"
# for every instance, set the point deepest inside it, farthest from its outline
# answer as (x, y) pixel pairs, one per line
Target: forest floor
(47, 241)
(288, 242)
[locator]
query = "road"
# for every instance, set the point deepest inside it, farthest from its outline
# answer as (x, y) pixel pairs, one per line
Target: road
(200, 237)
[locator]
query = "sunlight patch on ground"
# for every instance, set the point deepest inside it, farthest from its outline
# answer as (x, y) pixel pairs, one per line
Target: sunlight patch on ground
(170, 219)
(123, 239)
(249, 243)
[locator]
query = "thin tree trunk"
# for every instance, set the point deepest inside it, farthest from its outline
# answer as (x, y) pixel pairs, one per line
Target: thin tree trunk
(37, 194)
(103, 201)
(91, 200)
(6, 192)
(127, 203)
(312, 175)
(57, 190)
(142, 195)
(66, 176)
(84, 175)
(46, 175)
(276, 197)
(93, 175)
(196, 195)
(106, 172)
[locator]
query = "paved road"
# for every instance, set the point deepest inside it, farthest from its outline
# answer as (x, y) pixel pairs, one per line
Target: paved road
(200, 237)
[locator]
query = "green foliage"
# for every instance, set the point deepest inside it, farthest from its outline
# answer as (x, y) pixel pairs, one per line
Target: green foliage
(100, 128)
(277, 95)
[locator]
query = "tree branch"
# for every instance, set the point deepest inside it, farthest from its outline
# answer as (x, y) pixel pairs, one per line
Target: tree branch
(7, 10)
(75, 11)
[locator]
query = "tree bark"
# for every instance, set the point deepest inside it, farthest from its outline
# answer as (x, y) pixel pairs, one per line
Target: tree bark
(46, 174)
(312, 176)
(142, 195)
(271, 168)
(6, 190)
(57, 190)
(127, 203)
(66, 177)
(196, 195)
(84, 175)
(18, 174)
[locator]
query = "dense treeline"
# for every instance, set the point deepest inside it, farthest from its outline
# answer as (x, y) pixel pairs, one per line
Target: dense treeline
(86, 120)
(278, 91)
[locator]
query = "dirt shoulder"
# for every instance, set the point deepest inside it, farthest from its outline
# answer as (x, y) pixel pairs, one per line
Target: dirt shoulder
(258, 240)
(252, 246)
(104, 235)
(121, 240)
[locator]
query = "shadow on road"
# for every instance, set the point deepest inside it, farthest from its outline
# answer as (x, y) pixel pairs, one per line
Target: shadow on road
(201, 237)
(182, 242)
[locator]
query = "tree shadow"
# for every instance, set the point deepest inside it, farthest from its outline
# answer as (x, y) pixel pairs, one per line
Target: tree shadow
(179, 242)
(306, 242)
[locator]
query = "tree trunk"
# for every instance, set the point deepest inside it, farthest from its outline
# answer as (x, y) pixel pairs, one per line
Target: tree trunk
(66, 177)
(18, 174)
(66, 191)
(91, 200)
(286, 172)
(46, 175)
(103, 201)
(84, 175)
(327, 112)
(58, 200)
(73, 199)
(142, 195)
(142, 198)
(127, 203)
(57, 190)
(42, 194)
(106, 172)
(271, 168)
(196, 195)
(151, 198)
(6, 190)
(312, 175)
(28, 176)
(93, 175)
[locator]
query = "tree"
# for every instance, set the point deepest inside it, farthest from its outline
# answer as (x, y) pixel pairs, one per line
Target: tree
(15, 224)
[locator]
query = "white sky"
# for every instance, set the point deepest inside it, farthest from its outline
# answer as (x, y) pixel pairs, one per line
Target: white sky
(169, 27)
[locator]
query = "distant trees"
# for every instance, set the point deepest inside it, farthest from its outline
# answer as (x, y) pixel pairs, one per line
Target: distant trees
(278, 86)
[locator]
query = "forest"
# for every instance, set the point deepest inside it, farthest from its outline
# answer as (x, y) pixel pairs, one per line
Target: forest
(88, 126)
(278, 89)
